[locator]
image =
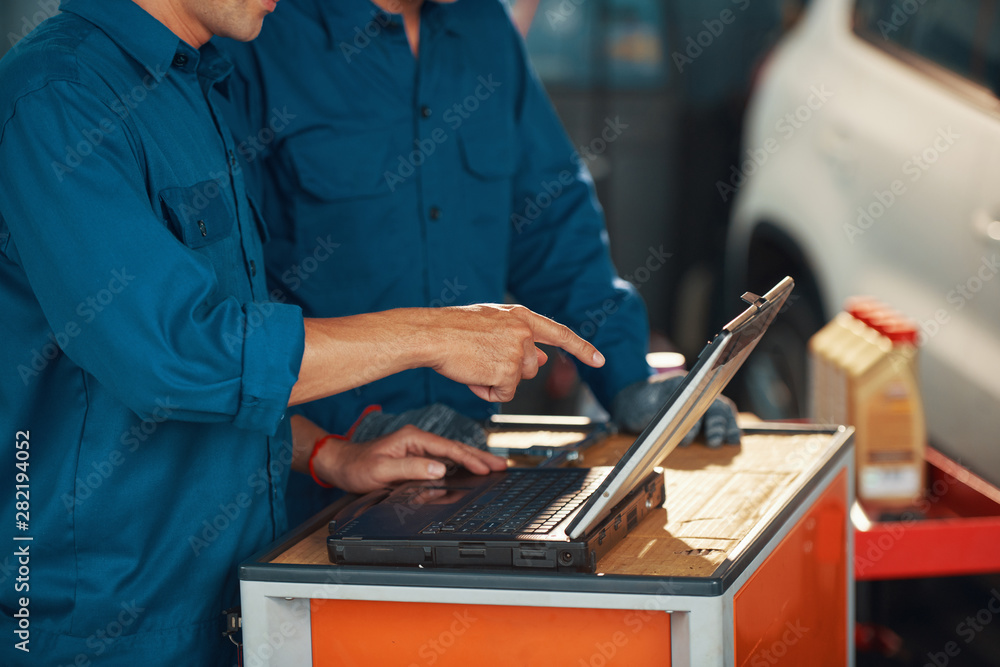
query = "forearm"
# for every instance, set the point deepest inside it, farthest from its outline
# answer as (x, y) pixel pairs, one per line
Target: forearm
(347, 352)
(490, 347)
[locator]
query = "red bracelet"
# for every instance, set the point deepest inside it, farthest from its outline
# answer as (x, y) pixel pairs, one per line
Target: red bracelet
(326, 438)
(319, 445)
(364, 413)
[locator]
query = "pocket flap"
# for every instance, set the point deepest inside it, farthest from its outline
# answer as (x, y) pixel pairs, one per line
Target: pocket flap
(332, 165)
(487, 149)
(198, 214)
(258, 218)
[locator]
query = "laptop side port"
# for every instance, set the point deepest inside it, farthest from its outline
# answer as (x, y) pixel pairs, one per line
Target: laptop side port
(535, 555)
(472, 553)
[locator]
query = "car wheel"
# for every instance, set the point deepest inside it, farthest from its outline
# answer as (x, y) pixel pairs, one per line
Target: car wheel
(774, 380)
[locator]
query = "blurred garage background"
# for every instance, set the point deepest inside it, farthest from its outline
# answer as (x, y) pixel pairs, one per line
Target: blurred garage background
(674, 79)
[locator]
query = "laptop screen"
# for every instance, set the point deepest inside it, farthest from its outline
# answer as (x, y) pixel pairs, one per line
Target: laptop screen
(716, 365)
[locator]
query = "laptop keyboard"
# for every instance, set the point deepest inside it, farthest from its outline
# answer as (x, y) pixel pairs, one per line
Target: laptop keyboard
(526, 501)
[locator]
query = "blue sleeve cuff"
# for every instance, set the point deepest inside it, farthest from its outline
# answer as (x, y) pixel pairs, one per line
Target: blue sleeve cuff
(274, 341)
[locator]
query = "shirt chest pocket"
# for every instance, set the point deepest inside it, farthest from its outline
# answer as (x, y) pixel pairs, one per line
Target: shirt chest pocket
(197, 215)
(199, 218)
(334, 166)
(488, 148)
(488, 154)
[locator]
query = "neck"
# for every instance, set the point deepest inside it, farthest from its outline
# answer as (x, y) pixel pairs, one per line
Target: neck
(398, 6)
(178, 20)
(410, 10)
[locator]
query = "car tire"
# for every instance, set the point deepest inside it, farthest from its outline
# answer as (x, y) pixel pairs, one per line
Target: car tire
(774, 380)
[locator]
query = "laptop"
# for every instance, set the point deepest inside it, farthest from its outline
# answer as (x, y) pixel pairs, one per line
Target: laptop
(545, 518)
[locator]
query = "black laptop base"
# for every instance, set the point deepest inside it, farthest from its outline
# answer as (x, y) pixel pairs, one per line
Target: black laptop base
(553, 551)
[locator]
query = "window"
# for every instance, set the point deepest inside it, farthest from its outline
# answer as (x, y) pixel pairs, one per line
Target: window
(606, 43)
(960, 35)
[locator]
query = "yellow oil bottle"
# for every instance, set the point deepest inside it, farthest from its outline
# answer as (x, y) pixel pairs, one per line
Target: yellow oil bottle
(864, 373)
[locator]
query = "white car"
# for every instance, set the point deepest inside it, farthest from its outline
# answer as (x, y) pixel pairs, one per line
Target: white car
(871, 165)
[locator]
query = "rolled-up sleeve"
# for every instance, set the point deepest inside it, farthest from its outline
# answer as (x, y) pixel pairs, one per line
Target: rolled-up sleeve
(268, 377)
(140, 311)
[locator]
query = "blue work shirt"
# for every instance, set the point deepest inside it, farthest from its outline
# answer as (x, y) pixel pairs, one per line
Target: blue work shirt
(142, 363)
(441, 180)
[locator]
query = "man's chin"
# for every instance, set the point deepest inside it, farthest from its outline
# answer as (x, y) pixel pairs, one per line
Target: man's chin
(244, 33)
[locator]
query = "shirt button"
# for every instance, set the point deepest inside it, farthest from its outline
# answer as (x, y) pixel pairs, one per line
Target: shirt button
(253, 268)
(202, 228)
(232, 159)
(425, 111)
(435, 213)
(180, 60)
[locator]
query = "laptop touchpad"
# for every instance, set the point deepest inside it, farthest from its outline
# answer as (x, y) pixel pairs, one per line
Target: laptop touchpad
(430, 494)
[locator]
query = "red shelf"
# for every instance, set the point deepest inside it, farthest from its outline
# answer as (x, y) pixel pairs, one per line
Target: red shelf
(957, 532)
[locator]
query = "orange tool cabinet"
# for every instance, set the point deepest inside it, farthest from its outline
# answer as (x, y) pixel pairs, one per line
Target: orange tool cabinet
(747, 564)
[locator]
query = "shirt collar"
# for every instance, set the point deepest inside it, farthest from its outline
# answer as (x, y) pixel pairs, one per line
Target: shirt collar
(442, 16)
(144, 38)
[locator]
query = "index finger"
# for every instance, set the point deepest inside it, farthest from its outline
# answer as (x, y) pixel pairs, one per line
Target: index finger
(552, 333)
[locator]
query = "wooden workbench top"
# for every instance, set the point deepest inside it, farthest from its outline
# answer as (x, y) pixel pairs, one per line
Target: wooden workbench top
(715, 498)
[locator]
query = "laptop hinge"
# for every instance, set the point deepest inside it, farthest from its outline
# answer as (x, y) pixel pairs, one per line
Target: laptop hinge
(754, 299)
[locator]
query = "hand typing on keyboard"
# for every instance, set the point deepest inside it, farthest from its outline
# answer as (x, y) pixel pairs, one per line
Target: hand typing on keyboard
(406, 454)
